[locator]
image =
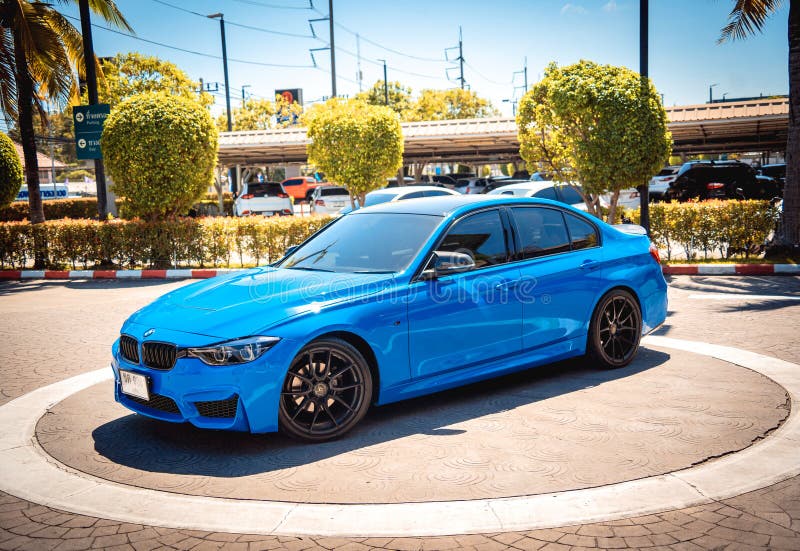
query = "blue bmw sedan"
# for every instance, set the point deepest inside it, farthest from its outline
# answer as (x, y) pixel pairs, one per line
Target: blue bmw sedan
(387, 303)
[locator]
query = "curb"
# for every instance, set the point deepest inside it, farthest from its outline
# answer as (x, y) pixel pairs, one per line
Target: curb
(671, 269)
(731, 269)
(110, 274)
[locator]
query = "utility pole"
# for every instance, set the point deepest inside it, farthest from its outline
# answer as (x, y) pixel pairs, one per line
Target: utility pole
(385, 85)
(221, 18)
(91, 87)
(243, 94)
(359, 74)
(461, 56)
(333, 49)
(644, 189)
(525, 69)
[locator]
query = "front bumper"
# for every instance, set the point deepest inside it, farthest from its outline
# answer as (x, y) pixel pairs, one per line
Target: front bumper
(243, 397)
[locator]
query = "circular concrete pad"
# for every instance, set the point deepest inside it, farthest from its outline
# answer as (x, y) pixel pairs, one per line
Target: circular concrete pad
(551, 429)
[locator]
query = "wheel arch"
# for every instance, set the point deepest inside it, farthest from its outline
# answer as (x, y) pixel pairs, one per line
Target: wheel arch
(366, 350)
(611, 288)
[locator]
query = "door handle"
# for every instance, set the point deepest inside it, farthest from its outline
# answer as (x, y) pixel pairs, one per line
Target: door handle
(589, 265)
(506, 285)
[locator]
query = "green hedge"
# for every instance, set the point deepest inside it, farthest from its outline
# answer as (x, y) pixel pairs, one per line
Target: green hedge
(728, 227)
(217, 242)
(86, 207)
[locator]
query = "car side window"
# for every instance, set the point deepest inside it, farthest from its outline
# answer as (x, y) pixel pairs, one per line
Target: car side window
(570, 195)
(481, 236)
(415, 195)
(546, 193)
(582, 234)
(436, 193)
(541, 231)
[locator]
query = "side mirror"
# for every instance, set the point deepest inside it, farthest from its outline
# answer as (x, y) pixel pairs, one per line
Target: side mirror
(446, 263)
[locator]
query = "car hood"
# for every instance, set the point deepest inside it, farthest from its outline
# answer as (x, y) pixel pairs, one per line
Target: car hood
(248, 302)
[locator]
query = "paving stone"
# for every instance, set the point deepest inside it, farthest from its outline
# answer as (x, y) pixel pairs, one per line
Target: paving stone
(547, 535)
(79, 544)
(597, 530)
(783, 542)
(577, 541)
(109, 541)
(638, 541)
(630, 531)
(50, 532)
(528, 544)
(381, 542)
(145, 545)
(444, 543)
(611, 543)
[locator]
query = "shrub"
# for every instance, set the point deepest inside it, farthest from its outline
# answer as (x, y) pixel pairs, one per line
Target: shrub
(53, 210)
(160, 150)
(10, 171)
(217, 242)
(730, 227)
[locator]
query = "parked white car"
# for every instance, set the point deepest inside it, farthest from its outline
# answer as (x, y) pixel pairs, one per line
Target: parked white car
(264, 198)
(565, 193)
(387, 195)
(658, 186)
(329, 200)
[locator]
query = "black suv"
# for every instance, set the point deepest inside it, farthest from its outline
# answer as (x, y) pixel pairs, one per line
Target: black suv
(719, 180)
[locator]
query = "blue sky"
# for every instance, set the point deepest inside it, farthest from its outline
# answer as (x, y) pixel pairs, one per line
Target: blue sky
(412, 36)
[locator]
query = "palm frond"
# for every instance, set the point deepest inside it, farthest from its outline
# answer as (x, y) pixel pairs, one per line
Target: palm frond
(108, 10)
(747, 17)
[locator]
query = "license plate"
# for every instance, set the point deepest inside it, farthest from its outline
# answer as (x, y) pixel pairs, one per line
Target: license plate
(134, 384)
(337, 203)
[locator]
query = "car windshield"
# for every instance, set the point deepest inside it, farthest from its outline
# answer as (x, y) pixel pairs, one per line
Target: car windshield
(376, 198)
(266, 189)
(365, 243)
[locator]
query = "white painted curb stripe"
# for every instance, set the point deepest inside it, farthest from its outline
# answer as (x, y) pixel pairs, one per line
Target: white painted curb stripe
(31, 274)
(179, 273)
(29, 473)
(80, 274)
(741, 296)
(129, 274)
(787, 268)
(716, 269)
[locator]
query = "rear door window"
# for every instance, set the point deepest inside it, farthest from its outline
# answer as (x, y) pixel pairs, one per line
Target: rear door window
(570, 195)
(541, 231)
(414, 195)
(293, 182)
(582, 234)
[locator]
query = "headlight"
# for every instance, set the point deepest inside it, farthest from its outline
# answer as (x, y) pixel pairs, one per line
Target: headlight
(233, 352)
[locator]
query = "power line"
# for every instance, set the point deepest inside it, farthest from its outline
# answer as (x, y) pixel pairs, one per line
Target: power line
(484, 77)
(233, 23)
(193, 52)
(381, 46)
(274, 6)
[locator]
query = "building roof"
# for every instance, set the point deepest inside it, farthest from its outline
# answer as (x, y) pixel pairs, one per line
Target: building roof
(43, 160)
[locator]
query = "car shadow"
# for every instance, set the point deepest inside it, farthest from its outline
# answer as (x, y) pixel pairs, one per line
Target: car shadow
(141, 443)
(28, 285)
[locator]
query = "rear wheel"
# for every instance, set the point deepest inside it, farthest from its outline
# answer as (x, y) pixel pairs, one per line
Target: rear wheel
(615, 329)
(326, 392)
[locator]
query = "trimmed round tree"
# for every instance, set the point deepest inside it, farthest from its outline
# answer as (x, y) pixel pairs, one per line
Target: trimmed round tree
(10, 171)
(161, 151)
(598, 125)
(355, 144)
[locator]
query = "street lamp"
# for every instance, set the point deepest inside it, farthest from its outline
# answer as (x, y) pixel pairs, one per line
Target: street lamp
(710, 96)
(221, 18)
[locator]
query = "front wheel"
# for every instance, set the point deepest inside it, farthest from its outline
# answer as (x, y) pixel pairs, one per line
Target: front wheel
(615, 329)
(326, 392)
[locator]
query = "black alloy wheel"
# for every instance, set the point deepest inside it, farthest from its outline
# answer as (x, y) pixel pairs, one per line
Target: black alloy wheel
(326, 392)
(615, 330)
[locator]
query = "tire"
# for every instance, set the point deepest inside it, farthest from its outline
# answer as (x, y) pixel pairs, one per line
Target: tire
(615, 330)
(326, 392)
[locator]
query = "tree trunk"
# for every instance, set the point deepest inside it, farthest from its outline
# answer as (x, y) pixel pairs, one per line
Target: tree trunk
(26, 132)
(790, 220)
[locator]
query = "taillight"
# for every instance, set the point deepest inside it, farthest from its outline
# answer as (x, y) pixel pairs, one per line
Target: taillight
(245, 212)
(282, 195)
(654, 253)
(248, 196)
(320, 203)
(286, 211)
(714, 185)
(668, 179)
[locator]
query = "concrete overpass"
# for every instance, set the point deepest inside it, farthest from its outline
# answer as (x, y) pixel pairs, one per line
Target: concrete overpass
(744, 126)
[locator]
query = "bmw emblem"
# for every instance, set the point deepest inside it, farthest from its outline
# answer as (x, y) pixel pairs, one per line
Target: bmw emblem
(149, 332)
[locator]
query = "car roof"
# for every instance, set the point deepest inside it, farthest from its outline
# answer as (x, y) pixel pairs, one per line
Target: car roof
(401, 190)
(446, 205)
(529, 186)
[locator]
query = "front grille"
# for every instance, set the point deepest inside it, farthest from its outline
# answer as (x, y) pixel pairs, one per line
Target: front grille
(159, 355)
(157, 401)
(129, 348)
(218, 408)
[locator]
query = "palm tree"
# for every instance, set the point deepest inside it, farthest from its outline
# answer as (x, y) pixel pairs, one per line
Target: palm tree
(746, 18)
(40, 52)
